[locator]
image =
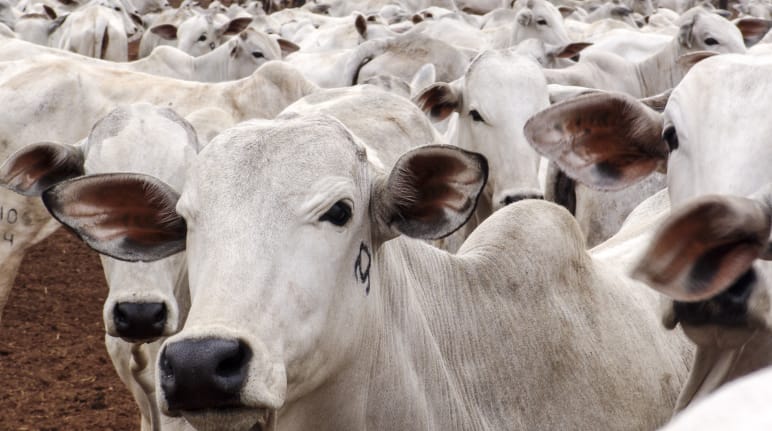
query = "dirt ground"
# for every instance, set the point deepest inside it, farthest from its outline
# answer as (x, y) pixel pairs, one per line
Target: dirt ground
(55, 373)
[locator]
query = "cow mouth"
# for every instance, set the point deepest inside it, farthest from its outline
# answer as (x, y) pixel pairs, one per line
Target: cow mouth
(232, 418)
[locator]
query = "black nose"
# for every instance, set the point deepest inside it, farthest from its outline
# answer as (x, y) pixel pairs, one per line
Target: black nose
(140, 320)
(510, 199)
(204, 373)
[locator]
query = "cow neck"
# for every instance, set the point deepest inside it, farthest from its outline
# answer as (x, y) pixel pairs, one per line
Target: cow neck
(660, 71)
(714, 366)
(213, 66)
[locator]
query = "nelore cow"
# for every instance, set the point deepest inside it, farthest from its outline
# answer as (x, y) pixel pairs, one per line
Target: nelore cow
(314, 306)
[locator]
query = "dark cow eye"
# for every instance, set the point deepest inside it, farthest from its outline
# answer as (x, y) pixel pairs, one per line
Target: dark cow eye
(117, 8)
(710, 41)
(476, 116)
(541, 21)
(257, 54)
(338, 214)
(671, 137)
(202, 38)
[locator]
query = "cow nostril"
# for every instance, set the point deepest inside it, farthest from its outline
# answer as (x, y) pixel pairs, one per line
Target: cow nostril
(232, 365)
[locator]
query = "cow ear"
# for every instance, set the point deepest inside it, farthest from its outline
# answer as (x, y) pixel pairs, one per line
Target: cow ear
(568, 50)
(360, 23)
(287, 47)
(607, 141)
(129, 217)
(49, 11)
(430, 192)
(236, 25)
(686, 61)
(439, 100)
(34, 168)
(136, 19)
(685, 32)
(705, 247)
(165, 31)
(753, 29)
(566, 10)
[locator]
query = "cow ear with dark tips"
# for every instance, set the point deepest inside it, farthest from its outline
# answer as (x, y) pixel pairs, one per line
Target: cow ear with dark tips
(287, 47)
(439, 100)
(607, 141)
(236, 25)
(430, 192)
(34, 168)
(360, 23)
(49, 11)
(128, 217)
(704, 247)
(165, 31)
(753, 29)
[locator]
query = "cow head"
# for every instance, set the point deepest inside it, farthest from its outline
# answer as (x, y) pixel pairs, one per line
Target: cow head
(282, 222)
(146, 300)
(610, 141)
(498, 93)
(539, 19)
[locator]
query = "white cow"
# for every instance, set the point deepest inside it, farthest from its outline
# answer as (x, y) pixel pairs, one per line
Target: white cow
(530, 19)
(498, 93)
(146, 301)
(699, 31)
(705, 257)
(59, 100)
(236, 59)
(307, 294)
(94, 31)
(201, 33)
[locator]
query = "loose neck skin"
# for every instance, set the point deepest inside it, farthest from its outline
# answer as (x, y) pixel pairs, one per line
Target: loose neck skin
(661, 71)
(214, 65)
(479, 339)
(398, 377)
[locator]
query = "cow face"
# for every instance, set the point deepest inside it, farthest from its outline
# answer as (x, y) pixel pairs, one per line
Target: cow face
(539, 19)
(145, 300)
(499, 92)
(282, 221)
(708, 252)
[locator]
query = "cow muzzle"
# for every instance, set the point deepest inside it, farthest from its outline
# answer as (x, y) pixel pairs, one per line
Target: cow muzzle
(139, 321)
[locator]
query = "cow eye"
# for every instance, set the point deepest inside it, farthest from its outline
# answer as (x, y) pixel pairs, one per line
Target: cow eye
(710, 41)
(476, 116)
(117, 8)
(257, 54)
(671, 137)
(338, 214)
(202, 38)
(541, 21)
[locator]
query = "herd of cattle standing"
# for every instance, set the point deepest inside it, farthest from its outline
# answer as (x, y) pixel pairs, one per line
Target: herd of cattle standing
(407, 214)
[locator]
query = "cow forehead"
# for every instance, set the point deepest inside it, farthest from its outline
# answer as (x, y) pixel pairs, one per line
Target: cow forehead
(285, 159)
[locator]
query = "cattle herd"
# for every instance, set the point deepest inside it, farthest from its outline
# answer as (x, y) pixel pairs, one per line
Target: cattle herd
(407, 214)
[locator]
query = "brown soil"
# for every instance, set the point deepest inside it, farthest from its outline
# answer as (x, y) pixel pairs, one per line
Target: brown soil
(55, 373)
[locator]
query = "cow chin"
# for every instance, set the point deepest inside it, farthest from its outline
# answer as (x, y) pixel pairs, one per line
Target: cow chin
(231, 419)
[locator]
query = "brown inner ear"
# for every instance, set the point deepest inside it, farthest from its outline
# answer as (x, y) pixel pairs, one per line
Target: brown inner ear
(601, 133)
(707, 246)
(432, 187)
(435, 101)
(40, 166)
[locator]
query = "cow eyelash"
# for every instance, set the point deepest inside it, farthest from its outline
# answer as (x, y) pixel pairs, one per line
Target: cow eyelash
(339, 214)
